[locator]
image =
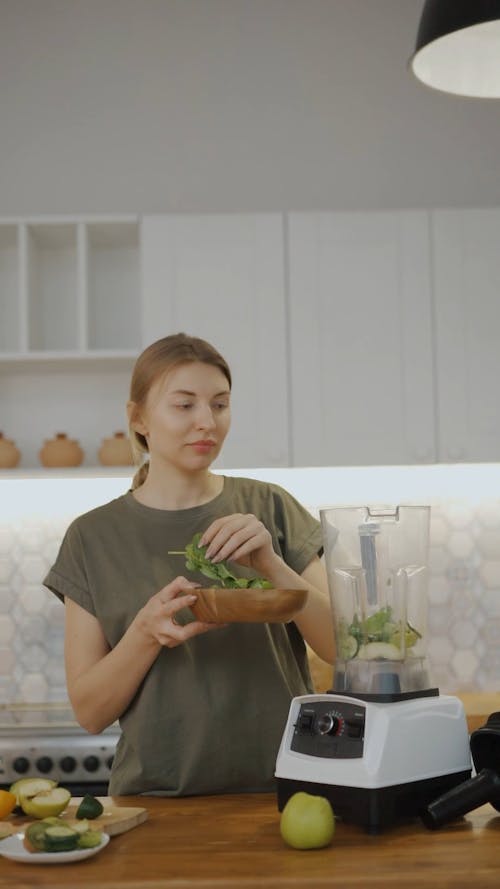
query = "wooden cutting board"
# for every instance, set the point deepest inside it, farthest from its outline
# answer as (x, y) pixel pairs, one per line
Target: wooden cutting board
(114, 819)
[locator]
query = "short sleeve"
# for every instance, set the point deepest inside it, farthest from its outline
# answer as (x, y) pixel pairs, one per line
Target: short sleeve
(300, 535)
(68, 575)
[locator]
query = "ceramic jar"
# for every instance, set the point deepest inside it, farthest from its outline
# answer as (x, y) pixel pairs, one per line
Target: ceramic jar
(9, 454)
(116, 451)
(61, 451)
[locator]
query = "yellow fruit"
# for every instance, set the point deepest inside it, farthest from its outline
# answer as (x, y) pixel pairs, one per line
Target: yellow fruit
(30, 787)
(7, 802)
(45, 803)
(307, 821)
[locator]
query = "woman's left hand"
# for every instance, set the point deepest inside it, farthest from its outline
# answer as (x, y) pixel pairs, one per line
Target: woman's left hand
(240, 538)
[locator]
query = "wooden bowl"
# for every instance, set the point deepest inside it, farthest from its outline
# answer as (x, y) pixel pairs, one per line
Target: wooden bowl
(221, 606)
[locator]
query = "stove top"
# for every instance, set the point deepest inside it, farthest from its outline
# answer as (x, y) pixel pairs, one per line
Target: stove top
(45, 740)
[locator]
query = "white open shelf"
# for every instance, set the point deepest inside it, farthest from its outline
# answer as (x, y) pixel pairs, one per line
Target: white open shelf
(69, 287)
(70, 330)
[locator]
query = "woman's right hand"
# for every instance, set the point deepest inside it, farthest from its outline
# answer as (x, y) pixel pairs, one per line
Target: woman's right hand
(157, 618)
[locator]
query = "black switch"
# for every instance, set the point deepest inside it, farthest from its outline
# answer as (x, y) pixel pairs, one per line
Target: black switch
(354, 729)
(306, 721)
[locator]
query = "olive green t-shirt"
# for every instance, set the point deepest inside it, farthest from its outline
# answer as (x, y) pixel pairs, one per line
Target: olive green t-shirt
(209, 715)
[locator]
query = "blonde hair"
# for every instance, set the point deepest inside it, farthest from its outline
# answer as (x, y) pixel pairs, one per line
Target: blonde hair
(157, 360)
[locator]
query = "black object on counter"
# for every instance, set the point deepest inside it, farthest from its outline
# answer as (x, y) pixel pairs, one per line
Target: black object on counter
(483, 788)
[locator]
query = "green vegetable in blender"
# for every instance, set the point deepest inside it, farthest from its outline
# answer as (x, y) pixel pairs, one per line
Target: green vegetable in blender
(218, 572)
(366, 638)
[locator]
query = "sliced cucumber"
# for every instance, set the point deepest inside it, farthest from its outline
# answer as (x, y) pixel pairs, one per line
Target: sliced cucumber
(90, 839)
(56, 835)
(348, 647)
(80, 826)
(59, 838)
(35, 834)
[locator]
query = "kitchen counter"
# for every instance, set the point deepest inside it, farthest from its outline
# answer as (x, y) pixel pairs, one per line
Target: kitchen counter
(224, 842)
(478, 706)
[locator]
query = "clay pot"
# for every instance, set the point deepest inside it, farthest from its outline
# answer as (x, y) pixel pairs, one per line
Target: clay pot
(116, 451)
(9, 454)
(61, 451)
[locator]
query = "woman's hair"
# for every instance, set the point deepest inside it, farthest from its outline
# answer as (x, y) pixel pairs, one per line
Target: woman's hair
(155, 362)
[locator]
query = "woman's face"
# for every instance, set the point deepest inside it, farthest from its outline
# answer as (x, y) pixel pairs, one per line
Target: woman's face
(186, 416)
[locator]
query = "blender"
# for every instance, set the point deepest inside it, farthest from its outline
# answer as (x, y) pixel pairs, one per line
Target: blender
(382, 743)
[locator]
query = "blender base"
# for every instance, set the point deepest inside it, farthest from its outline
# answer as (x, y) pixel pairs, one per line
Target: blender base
(378, 808)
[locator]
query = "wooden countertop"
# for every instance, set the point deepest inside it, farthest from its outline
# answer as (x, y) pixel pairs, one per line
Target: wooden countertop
(224, 842)
(478, 705)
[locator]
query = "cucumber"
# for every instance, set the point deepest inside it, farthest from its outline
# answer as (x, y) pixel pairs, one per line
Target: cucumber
(80, 826)
(90, 839)
(348, 647)
(35, 834)
(59, 838)
(56, 835)
(47, 836)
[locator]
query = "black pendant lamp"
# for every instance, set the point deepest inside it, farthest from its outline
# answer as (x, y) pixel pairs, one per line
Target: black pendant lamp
(458, 47)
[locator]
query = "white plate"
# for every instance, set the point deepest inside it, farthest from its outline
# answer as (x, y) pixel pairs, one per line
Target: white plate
(13, 848)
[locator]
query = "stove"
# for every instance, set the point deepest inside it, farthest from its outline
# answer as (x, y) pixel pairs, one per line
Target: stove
(44, 740)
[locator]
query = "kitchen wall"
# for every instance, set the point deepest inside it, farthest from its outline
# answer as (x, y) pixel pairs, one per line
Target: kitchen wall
(464, 588)
(200, 106)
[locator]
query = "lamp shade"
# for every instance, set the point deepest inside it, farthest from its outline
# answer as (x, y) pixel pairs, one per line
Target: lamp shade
(458, 47)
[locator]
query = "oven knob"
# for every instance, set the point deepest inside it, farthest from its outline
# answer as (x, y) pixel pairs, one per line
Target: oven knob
(21, 765)
(328, 724)
(91, 763)
(68, 763)
(109, 761)
(44, 764)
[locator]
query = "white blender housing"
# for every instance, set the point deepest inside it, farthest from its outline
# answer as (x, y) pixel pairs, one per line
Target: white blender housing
(383, 743)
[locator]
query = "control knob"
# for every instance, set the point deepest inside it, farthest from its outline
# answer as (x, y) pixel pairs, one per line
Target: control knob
(21, 765)
(68, 763)
(91, 763)
(328, 724)
(44, 764)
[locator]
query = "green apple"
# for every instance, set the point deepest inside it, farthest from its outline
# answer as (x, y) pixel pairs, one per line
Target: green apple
(307, 821)
(45, 803)
(30, 786)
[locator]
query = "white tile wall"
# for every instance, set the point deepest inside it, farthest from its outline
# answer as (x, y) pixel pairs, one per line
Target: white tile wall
(463, 619)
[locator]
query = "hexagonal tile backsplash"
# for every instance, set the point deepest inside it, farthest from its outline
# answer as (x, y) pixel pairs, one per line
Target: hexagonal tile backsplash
(463, 616)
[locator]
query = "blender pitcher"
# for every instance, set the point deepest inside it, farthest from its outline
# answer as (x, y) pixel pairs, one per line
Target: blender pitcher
(376, 562)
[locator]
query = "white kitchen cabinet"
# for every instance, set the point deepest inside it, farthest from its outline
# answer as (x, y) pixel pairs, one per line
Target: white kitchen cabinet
(70, 328)
(353, 338)
(361, 338)
(466, 250)
(221, 277)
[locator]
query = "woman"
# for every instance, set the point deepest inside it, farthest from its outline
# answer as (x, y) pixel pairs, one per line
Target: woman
(202, 707)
